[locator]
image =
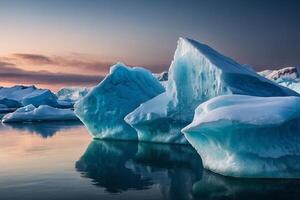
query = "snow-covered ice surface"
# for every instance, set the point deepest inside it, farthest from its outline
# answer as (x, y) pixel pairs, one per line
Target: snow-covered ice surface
(247, 136)
(103, 109)
(30, 113)
(288, 77)
(197, 73)
(72, 94)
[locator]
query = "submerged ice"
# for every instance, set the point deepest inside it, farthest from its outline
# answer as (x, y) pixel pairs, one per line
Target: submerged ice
(246, 136)
(197, 74)
(103, 109)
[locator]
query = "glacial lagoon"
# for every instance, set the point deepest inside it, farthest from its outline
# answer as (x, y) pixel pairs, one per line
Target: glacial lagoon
(59, 161)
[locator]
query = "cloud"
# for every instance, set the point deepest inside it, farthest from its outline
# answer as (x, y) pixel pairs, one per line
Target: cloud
(83, 64)
(79, 62)
(73, 70)
(34, 58)
(10, 73)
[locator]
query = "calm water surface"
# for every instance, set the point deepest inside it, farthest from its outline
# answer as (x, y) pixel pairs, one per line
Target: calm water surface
(59, 161)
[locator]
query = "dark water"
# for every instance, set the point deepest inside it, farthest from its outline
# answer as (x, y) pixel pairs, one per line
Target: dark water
(59, 161)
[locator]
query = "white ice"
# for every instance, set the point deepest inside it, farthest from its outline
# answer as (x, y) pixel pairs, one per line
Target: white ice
(30, 113)
(247, 136)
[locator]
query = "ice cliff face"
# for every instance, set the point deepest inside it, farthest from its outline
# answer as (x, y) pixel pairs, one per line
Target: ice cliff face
(197, 73)
(246, 136)
(103, 109)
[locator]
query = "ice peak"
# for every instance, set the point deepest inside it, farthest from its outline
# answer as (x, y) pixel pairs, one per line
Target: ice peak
(187, 46)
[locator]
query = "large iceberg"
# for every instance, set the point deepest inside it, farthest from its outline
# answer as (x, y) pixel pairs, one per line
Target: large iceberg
(287, 77)
(246, 136)
(30, 113)
(103, 109)
(197, 73)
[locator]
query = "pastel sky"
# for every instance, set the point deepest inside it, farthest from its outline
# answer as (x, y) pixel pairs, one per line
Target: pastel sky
(55, 43)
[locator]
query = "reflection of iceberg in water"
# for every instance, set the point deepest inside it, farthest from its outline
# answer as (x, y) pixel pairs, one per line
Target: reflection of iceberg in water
(44, 129)
(213, 186)
(174, 167)
(175, 171)
(118, 166)
(105, 163)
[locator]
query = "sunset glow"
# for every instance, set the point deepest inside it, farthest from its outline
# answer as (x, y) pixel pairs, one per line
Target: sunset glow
(83, 38)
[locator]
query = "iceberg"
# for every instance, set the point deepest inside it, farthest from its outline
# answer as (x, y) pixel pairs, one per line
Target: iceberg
(163, 76)
(197, 74)
(103, 109)
(8, 105)
(247, 136)
(284, 73)
(30, 113)
(288, 77)
(40, 97)
(72, 94)
(16, 92)
(18, 96)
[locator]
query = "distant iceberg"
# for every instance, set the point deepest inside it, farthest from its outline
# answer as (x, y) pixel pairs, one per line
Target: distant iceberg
(72, 94)
(18, 96)
(7, 105)
(246, 136)
(40, 97)
(103, 109)
(197, 74)
(288, 77)
(30, 113)
(163, 76)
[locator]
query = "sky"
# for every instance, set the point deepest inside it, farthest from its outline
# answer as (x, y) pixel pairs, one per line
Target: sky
(57, 43)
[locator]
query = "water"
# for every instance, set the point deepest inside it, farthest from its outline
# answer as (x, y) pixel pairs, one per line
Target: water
(59, 161)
